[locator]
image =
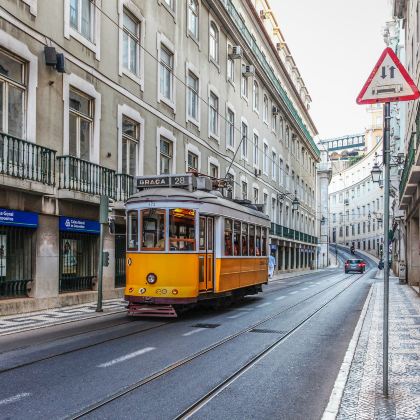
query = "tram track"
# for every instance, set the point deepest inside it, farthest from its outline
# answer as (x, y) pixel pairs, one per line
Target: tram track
(182, 362)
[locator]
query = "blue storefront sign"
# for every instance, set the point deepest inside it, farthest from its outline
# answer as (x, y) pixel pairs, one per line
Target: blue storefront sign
(18, 218)
(74, 224)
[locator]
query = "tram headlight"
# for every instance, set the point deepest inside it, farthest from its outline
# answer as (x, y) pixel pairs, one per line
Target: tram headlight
(151, 278)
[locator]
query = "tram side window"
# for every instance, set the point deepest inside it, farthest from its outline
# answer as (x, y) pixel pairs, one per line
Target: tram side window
(202, 233)
(132, 230)
(153, 230)
(236, 238)
(251, 240)
(264, 241)
(228, 237)
(182, 230)
(244, 239)
(258, 241)
(210, 234)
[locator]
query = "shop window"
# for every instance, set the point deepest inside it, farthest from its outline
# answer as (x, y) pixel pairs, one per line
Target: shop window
(228, 237)
(236, 238)
(132, 231)
(153, 230)
(182, 230)
(78, 261)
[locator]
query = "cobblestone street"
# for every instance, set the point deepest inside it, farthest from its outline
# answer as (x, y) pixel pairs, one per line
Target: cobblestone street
(362, 397)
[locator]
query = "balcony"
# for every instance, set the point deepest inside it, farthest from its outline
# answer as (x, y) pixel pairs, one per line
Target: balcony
(81, 176)
(27, 161)
(252, 43)
(124, 187)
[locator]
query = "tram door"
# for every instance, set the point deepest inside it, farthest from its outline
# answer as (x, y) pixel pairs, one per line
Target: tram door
(206, 255)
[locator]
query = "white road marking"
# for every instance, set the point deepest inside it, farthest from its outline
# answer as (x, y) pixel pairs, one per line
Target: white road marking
(126, 357)
(305, 288)
(236, 316)
(312, 285)
(293, 293)
(243, 309)
(280, 297)
(195, 330)
(15, 398)
(318, 283)
(263, 304)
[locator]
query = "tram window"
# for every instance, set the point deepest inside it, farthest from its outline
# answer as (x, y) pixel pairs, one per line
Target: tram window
(244, 239)
(228, 237)
(264, 241)
(210, 234)
(237, 238)
(132, 230)
(258, 241)
(153, 230)
(251, 240)
(182, 230)
(202, 232)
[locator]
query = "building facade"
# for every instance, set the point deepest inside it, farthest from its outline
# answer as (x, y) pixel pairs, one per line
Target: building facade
(95, 93)
(408, 14)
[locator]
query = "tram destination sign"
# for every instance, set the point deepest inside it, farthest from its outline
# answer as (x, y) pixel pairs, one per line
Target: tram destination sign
(168, 181)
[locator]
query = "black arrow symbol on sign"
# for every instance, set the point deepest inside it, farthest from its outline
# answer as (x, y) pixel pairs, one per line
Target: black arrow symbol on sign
(392, 70)
(383, 75)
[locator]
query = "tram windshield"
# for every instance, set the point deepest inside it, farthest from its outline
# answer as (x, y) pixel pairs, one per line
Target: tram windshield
(182, 230)
(153, 230)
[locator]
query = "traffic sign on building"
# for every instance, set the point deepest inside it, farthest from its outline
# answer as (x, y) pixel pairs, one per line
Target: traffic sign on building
(389, 81)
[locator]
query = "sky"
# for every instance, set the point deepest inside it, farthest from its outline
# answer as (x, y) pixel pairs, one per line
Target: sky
(335, 44)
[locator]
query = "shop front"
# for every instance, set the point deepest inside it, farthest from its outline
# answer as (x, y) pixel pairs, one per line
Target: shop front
(78, 253)
(17, 245)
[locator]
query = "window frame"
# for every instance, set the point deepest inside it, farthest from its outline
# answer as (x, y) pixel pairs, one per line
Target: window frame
(164, 42)
(213, 93)
(256, 96)
(190, 70)
(194, 36)
(167, 134)
(216, 58)
(244, 141)
(230, 128)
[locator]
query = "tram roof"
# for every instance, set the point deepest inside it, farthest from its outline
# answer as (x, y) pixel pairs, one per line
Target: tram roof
(197, 196)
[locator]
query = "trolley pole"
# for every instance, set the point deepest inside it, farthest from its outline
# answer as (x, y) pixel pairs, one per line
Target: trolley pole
(103, 220)
(386, 160)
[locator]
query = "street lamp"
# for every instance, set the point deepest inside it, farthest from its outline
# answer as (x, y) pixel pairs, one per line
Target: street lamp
(376, 173)
(295, 203)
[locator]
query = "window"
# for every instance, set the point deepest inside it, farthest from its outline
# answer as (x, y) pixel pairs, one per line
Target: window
(258, 241)
(82, 16)
(244, 239)
(80, 124)
(214, 42)
(251, 235)
(244, 140)
(166, 154)
(228, 237)
(281, 174)
(181, 230)
(214, 171)
(166, 73)
(132, 230)
(153, 230)
(244, 190)
(228, 192)
(274, 122)
(170, 4)
(265, 159)
(192, 161)
(236, 238)
(274, 165)
(192, 95)
(230, 129)
(131, 43)
(231, 69)
(265, 109)
(12, 95)
(256, 155)
(265, 202)
(244, 86)
(193, 18)
(256, 195)
(214, 114)
(256, 96)
(130, 141)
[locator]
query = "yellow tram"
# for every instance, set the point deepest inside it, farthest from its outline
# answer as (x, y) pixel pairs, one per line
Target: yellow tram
(187, 243)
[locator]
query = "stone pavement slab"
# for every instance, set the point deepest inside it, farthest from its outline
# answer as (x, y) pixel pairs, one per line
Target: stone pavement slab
(362, 397)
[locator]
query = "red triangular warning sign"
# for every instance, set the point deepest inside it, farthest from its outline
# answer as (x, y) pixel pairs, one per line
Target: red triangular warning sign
(388, 82)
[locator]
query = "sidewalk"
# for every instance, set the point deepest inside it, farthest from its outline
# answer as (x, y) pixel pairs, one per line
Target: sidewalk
(359, 395)
(290, 275)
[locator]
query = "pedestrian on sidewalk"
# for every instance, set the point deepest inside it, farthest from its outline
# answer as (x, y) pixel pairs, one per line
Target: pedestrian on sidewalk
(271, 265)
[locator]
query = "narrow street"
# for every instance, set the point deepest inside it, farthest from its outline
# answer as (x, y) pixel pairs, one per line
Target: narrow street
(274, 355)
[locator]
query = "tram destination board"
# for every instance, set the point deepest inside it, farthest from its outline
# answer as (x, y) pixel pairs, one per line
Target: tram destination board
(168, 181)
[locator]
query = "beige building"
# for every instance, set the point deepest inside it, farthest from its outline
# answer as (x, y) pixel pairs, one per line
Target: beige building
(409, 12)
(94, 93)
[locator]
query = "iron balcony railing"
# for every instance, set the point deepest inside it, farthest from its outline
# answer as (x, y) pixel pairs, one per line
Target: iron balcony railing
(408, 164)
(25, 160)
(79, 175)
(285, 232)
(252, 43)
(124, 186)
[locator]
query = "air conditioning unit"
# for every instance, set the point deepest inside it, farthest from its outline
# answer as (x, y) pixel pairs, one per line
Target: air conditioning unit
(275, 110)
(248, 70)
(258, 172)
(235, 52)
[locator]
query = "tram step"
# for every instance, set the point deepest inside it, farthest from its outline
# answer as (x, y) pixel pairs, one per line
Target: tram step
(138, 309)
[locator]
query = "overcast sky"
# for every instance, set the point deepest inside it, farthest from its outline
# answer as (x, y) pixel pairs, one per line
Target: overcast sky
(335, 44)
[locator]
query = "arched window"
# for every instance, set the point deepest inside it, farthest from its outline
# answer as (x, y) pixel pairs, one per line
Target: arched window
(256, 96)
(193, 18)
(214, 42)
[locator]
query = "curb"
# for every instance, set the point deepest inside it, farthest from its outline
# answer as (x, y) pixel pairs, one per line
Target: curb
(333, 406)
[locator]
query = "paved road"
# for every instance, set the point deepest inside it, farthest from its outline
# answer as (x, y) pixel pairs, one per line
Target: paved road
(276, 355)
